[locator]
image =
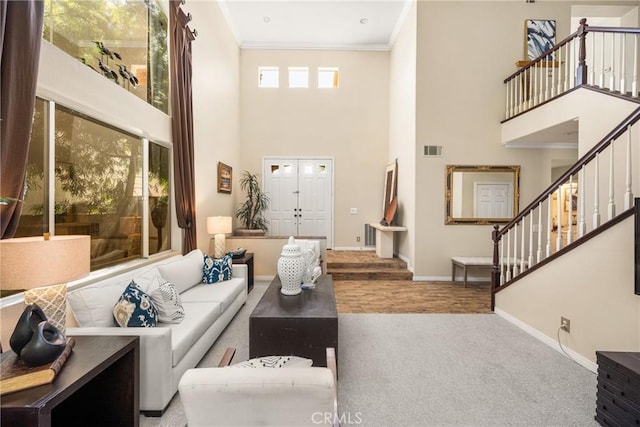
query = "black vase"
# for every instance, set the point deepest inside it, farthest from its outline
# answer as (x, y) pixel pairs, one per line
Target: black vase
(45, 345)
(27, 324)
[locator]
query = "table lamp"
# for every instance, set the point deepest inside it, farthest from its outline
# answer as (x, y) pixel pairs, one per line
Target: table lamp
(219, 226)
(34, 264)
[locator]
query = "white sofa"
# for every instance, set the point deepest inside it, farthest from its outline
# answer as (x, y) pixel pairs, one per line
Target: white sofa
(168, 350)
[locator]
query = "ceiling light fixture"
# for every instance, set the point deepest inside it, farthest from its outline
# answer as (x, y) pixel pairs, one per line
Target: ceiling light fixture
(364, 21)
(266, 19)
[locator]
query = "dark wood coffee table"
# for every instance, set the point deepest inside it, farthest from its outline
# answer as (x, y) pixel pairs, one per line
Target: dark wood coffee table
(301, 325)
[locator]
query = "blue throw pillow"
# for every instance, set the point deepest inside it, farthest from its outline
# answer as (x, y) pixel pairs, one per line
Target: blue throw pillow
(216, 269)
(135, 309)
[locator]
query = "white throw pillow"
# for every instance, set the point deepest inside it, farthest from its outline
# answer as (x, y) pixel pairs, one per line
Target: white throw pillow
(275, 362)
(167, 300)
(185, 271)
(92, 305)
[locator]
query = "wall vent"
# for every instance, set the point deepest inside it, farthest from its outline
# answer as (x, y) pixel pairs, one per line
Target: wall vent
(369, 235)
(432, 150)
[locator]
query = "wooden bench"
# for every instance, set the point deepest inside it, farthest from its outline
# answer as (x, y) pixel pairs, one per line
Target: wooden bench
(485, 262)
(465, 262)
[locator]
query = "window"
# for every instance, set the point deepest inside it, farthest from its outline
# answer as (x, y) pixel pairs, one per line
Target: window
(328, 77)
(159, 218)
(126, 37)
(97, 179)
(298, 77)
(268, 77)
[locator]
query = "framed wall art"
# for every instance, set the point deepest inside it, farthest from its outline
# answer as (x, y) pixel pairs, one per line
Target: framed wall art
(540, 35)
(225, 174)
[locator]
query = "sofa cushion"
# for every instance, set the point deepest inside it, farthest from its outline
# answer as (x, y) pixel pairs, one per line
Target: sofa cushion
(199, 317)
(216, 270)
(135, 309)
(92, 305)
(185, 271)
(223, 292)
(167, 300)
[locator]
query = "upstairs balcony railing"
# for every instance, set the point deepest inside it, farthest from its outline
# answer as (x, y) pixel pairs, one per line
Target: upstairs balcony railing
(595, 193)
(603, 57)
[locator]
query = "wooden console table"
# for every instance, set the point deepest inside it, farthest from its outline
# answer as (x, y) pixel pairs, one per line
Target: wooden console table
(97, 386)
(384, 238)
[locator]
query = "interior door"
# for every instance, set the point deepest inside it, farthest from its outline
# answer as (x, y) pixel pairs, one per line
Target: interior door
(301, 197)
(493, 200)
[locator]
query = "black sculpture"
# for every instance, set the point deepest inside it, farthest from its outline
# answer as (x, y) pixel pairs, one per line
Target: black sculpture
(108, 72)
(35, 340)
(105, 51)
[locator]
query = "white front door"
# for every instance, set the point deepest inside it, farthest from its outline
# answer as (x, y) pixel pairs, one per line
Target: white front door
(300, 191)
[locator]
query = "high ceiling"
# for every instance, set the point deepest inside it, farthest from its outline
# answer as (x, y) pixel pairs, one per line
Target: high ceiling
(347, 24)
(315, 24)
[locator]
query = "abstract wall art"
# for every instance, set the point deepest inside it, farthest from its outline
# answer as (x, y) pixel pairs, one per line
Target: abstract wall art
(540, 35)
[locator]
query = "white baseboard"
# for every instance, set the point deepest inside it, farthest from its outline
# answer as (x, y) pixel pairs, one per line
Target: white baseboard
(354, 248)
(405, 259)
(264, 278)
(577, 357)
(448, 279)
(431, 278)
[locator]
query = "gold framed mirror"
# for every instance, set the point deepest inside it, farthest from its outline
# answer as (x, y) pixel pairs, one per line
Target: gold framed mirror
(481, 194)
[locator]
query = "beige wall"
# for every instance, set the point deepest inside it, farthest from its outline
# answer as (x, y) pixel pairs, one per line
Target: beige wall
(216, 113)
(349, 124)
(460, 104)
(594, 292)
(267, 251)
(402, 130)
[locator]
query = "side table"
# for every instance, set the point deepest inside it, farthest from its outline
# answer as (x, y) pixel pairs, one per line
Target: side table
(248, 260)
(618, 393)
(99, 385)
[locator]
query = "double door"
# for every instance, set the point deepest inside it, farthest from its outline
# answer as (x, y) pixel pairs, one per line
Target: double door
(300, 197)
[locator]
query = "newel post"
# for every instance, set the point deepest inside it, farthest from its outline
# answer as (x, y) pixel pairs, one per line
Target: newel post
(495, 270)
(581, 71)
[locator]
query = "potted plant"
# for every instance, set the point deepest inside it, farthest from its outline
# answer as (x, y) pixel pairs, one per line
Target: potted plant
(251, 211)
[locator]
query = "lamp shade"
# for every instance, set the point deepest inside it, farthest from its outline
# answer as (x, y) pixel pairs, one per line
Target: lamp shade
(29, 262)
(219, 224)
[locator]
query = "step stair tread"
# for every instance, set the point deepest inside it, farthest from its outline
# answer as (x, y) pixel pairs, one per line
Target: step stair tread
(401, 265)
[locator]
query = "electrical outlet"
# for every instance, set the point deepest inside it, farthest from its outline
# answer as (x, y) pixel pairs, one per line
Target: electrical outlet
(353, 211)
(357, 238)
(565, 324)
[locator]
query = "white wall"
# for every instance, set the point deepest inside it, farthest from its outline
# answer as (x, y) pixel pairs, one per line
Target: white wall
(216, 113)
(597, 115)
(349, 124)
(402, 129)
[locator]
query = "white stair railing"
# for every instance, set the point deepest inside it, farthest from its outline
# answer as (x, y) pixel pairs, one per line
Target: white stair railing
(532, 237)
(611, 64)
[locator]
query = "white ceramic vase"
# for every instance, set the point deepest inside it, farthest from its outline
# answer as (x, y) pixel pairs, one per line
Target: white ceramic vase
(291, 268)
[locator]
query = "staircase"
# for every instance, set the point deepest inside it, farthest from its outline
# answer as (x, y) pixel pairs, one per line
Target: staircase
(365, 266)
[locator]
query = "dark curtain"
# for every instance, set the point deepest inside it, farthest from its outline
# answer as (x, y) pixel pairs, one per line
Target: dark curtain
(20, 37)
(182, 129)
